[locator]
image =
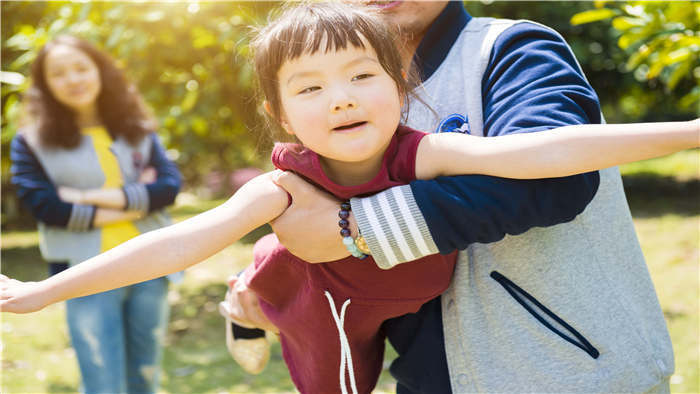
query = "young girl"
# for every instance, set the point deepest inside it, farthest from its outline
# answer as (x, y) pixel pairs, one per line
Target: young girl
(332, 77)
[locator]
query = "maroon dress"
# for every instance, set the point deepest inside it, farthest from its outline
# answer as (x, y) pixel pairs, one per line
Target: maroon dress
(306, 301)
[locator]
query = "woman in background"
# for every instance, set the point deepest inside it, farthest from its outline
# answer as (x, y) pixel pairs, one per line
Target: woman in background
(93, 173)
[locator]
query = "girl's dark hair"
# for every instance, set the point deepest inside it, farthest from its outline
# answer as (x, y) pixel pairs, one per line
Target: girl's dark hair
(306, 28)
(119, 104)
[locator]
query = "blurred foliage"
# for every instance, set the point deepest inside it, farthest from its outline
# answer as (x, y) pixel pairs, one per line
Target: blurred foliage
(190, 61)
(625, 95)
(661, 41)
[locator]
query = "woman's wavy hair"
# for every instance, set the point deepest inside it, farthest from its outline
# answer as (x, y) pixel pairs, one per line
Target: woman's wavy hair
(119, 104)
(309, 27)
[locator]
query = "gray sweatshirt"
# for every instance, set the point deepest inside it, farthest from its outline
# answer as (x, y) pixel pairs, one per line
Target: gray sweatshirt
(566, 308)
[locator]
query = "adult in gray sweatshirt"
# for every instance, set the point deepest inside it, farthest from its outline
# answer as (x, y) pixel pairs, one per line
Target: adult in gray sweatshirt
(551, 292)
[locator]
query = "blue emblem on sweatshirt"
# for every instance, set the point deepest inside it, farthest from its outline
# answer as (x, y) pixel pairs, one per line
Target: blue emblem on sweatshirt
(454, 123)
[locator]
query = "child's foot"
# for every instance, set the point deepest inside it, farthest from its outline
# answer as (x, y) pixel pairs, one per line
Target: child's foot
(248, 346)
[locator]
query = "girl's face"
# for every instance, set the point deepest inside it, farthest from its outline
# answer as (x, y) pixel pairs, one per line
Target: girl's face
(72, 77)
(342, 105)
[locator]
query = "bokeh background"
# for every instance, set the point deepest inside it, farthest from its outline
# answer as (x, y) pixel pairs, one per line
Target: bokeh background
(190, 61)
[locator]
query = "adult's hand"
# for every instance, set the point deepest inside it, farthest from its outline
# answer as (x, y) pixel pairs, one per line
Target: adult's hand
(71, 194)
(309, 227)
(148, 175)
(242, 306)
(105, 216)
(111, 197)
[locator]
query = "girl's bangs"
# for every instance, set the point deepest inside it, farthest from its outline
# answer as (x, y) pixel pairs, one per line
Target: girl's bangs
(312, 35)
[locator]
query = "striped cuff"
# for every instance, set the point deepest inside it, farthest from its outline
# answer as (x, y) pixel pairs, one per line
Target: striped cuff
(81, 217)
(136, 197)
(393, 227)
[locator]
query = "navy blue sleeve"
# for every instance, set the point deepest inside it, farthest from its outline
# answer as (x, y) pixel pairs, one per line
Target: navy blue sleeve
(34, 188)
(163, 191)
(532, 83)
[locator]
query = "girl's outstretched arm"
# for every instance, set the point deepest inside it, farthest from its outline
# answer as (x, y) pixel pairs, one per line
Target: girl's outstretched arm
(560, 152)
(154, 254)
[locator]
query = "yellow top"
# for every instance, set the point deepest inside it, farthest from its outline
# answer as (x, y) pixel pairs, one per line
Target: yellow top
(120, 232)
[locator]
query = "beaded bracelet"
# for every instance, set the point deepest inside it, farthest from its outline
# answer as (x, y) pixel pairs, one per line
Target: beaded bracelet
(349, 243)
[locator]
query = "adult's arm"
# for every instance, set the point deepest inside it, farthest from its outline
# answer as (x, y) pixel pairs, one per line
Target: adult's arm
(38, 193)
(532, 84)
(112, 198)
(135, 196)
(159, 194)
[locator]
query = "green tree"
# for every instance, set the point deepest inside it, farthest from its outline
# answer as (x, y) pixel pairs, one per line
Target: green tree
(623, 98)
(661, 40)
(189, 60)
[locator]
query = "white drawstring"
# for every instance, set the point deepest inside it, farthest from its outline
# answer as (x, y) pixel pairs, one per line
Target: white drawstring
(345, 354)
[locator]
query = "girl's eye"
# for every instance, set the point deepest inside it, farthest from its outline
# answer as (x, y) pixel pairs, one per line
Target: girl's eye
(361, 76)
(309, 90)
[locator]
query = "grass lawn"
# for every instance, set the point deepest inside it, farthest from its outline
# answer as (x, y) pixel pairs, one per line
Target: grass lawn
(37, 357)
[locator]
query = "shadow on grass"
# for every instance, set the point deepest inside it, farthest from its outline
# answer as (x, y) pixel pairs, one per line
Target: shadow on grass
(23, 263)
(256, 234)
(650, 195)
(60, 387)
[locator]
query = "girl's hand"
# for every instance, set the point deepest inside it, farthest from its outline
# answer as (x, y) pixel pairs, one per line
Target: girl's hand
(20, 297)
(71, 195)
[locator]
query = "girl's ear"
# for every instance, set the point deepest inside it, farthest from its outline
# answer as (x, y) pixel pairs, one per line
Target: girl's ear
(282, 122)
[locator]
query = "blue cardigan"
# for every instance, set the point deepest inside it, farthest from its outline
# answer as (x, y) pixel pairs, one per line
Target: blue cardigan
(37, 192)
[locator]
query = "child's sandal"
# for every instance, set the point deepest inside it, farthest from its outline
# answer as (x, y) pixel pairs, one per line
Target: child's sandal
(248, 346)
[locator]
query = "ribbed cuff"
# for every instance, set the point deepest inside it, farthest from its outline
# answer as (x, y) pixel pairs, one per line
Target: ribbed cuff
(136, 197)
(393, 227)
(92, 218)
(81, 217)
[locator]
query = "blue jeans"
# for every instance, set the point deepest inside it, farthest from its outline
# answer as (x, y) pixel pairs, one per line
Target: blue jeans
(118, 336)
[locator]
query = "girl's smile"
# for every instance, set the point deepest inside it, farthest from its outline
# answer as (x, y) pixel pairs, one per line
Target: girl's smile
(349, 126)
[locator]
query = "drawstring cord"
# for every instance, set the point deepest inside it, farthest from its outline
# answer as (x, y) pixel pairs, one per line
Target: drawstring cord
(345, 355)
